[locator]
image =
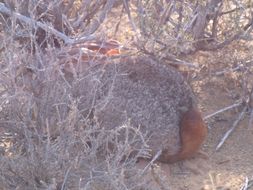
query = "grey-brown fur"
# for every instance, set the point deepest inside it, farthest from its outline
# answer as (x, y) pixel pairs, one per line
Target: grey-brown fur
(149, 94)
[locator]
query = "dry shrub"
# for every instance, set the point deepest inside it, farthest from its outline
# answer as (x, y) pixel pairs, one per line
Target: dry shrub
(49, 140)
(172, 29)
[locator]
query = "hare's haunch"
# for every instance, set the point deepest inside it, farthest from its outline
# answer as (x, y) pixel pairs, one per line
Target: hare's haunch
(192, 134)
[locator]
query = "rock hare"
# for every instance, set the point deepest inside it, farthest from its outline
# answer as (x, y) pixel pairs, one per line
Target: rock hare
(154, 97)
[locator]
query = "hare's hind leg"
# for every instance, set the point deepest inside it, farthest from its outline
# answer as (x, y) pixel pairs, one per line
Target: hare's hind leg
(192, 134)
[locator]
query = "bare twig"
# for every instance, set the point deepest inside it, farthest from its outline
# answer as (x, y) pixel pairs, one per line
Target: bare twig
(171, 58)
(179, 62)
(158, 179)
(45, 27)
(65, 178)
(152, 161)
(224, 109)
(235, 9)
(235, 124)
(245, 185)
(97, 22)
(237, 36)
(241, 67)
(126, 6)
(229, 70)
